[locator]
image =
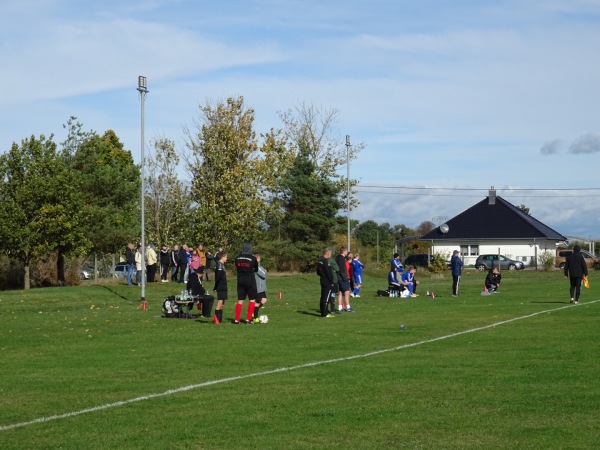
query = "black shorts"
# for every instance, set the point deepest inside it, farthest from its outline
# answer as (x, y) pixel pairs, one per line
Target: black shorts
(246, 290)
(260, 296)
(344, 285)
(222, 295)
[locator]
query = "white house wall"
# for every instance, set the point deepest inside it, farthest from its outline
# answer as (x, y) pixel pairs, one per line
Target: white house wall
(516, 250)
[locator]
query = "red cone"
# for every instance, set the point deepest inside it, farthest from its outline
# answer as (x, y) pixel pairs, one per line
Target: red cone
(279, 296)
(144, 307)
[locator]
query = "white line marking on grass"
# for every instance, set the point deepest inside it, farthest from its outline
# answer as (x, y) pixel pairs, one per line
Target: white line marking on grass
(270, 372)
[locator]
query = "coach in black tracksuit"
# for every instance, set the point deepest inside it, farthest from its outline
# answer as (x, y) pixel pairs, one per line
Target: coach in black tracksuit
(576, 269)
(326, 278)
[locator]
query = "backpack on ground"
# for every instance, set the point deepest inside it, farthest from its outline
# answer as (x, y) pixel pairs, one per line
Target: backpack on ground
(169, 308)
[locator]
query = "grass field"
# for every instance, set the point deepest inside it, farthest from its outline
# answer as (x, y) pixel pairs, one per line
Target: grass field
(86, 367)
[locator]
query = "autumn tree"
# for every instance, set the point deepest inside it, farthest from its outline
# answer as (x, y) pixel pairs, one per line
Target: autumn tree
(232, 173)
(168, 202)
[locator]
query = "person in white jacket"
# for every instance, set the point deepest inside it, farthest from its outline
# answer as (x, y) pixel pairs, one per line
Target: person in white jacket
(138, 265)
(261, 288)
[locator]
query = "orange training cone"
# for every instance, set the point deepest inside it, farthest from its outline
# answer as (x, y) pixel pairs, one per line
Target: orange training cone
(216, 319)
(144, 307)
(484, 288)
(279, 296)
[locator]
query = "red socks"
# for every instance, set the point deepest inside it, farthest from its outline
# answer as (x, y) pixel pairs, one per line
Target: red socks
(238, 311)
(251, 306)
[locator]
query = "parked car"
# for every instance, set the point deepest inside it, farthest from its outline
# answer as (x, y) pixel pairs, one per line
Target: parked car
(86, 273)
(120, 270)
(562, 253)
(486, 262)
(418, 260)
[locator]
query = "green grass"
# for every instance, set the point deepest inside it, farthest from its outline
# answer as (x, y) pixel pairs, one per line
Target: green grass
(530, 383)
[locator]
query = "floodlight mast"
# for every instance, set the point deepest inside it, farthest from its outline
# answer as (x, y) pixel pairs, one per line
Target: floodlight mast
(143, 90)
(348, 185)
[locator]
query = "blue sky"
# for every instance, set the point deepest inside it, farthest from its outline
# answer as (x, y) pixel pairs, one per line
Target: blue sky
(446, 95)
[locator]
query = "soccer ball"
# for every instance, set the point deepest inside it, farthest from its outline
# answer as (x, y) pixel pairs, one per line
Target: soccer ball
(263, 318)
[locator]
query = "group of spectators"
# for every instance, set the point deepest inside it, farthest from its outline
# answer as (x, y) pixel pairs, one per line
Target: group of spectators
(172, 264)
(341, 278)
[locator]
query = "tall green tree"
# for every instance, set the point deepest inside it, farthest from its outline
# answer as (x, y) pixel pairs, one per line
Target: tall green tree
(109, 183)
(310, 201)
(41, 209)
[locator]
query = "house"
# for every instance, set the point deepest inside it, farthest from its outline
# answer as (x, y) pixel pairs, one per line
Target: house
(494, 226)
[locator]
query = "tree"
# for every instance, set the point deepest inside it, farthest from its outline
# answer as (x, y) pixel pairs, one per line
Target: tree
(367, 233)
(41, 208)
(310, 202)
(232, 178)
(524, 208)
(425, 227)
(109, 183)
(168, 202)
(314, 128)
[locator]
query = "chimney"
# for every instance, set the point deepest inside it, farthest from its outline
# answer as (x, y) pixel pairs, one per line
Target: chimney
(492, 197)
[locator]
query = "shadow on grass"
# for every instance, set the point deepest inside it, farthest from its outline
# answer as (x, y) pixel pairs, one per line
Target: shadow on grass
(108, 288)
(308, 313)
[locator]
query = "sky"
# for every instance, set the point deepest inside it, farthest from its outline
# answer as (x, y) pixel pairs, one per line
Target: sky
(449, 98)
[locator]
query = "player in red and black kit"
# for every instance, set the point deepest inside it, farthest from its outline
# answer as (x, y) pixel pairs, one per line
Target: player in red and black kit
(247, 266)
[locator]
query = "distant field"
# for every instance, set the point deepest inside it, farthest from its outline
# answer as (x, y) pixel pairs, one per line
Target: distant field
(86, 368)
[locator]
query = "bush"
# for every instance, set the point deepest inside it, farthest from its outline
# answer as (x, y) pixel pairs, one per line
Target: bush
(439, 263)
(546, 260)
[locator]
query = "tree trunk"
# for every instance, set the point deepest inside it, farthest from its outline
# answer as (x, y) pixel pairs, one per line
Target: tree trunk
(26, 284)
(60, 268)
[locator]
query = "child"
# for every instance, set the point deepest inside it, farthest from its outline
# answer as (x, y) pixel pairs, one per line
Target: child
(220, 286)
(261, 289)
(492, 281)
(408, 280)
(357, 270)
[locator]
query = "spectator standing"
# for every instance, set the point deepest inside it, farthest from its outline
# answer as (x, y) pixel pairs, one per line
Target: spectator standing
(130, 259)
(357, 271)
(174, 262)
(165, 259)
(326, 280)
(210, 265)
(575, 269)
(183, 262)
(343, 282)
(335, 269)
(138, 265)
(151, 261)
(220, 286)
(202, 255)
(456, 267)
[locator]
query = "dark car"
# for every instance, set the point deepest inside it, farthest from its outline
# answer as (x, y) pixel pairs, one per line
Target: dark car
(418, 260)
(486, 262)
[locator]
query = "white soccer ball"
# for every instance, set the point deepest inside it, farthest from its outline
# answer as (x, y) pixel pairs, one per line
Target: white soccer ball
(263, 318)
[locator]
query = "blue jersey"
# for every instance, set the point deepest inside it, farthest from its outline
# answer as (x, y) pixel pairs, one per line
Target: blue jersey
(397, 265)
(392, 277)
(357, 267)
(408, 278)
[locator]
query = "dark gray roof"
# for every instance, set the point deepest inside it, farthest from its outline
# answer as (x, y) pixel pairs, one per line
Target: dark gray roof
(501, 220)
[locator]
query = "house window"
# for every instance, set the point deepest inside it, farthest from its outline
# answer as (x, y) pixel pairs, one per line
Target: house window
(469, 250)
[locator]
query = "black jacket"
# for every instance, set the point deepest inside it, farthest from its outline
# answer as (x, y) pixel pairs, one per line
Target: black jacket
(325, 272)
(575, 265)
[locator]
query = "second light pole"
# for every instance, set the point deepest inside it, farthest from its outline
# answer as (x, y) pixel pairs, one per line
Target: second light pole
(348, 185)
